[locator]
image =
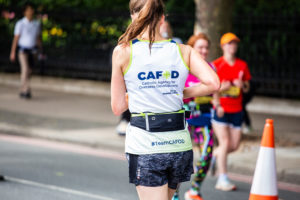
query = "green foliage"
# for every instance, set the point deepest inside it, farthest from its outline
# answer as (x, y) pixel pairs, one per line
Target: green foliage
(95, 22)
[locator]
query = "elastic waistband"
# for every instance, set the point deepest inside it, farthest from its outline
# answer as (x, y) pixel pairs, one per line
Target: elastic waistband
(159, 122)
(143, 114)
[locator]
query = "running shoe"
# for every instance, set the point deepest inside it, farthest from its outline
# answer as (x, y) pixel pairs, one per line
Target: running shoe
(121, 128)
(25, 95)
(225, 185)
(247, 130)
(175, 196)
(189, 196)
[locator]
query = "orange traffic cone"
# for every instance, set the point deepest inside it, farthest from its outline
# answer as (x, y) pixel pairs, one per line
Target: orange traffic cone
(264, 185)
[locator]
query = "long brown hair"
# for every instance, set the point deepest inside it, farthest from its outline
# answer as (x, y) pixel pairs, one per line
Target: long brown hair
(149, 14)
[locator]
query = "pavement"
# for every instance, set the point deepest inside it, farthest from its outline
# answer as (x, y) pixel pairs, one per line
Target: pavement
(78, 111)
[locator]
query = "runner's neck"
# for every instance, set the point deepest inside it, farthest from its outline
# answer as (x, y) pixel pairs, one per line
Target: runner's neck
(230, 59)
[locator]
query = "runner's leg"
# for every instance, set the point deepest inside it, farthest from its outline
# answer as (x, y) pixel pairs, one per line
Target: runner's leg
(222, 133)
(235, 138)
(203, 163)
(150, 193)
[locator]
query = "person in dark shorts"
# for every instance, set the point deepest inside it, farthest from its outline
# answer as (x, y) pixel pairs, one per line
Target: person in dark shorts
(228, 115)
(153, 71)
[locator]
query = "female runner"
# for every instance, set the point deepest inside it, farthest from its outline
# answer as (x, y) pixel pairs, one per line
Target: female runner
(154, 71)
(200, 126)
(199, 122)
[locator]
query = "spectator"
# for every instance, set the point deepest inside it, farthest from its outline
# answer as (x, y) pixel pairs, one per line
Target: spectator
(26, 40)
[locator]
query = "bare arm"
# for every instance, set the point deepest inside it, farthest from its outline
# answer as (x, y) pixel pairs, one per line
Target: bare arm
(210, 82)
(14, 48)
(120, 61)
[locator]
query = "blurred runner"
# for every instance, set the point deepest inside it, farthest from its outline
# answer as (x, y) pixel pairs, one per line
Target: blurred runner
(228, 115)
(26, 42)
(199, 122)
(167, 32)
(154, 70)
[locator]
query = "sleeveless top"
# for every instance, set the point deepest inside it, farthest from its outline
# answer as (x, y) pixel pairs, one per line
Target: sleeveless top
(155, 81)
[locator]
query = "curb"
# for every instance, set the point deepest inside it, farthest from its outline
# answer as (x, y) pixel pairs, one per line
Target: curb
(265, 105)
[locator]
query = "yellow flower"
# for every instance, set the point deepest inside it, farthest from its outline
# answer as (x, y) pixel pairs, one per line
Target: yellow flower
(53, 31)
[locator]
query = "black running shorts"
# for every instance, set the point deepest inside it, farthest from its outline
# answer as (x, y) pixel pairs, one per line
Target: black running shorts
(158, 169)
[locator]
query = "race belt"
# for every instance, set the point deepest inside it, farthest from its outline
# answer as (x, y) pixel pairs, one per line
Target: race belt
(159, 122)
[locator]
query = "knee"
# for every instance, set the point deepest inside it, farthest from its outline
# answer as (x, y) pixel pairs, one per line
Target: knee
(224, 144)
(233, 147)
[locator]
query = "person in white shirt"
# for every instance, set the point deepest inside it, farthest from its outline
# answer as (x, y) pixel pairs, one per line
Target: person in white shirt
(26, 39)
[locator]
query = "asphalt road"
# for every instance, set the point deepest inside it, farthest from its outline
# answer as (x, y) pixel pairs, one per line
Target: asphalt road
(51, 170)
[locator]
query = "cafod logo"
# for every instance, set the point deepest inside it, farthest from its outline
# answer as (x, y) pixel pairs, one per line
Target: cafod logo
(157, 74)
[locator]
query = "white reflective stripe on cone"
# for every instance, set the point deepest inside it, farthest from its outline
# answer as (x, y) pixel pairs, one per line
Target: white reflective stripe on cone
(265, 181)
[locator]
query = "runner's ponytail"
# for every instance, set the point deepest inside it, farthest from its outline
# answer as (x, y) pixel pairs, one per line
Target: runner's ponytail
(149, 14)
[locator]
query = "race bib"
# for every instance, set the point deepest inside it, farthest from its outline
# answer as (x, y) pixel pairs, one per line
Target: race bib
(233, 91)
(203, 100)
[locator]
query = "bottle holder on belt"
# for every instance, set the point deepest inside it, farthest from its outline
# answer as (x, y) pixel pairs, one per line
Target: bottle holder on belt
(159, 122)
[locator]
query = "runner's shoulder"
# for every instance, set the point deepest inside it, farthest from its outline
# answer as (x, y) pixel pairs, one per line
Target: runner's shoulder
(121, 52)
(185, 50)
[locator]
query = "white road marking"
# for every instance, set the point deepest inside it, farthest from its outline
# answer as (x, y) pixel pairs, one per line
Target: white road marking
(56, 188)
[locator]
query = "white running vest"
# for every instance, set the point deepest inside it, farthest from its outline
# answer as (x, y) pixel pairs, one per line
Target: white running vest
(155, 83)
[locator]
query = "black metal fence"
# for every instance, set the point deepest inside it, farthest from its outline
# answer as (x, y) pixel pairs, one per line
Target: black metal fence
(270, 45)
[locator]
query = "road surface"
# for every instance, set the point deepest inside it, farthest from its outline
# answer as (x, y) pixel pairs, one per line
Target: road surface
(37, 169)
